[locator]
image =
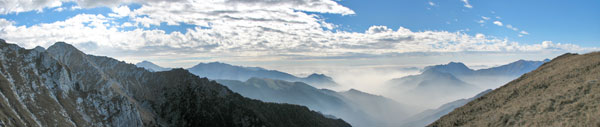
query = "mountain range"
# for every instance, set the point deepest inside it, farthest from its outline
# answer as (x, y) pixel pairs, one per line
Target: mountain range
(562, 92)
(440, 84)
(151, 66)
(428, 116)
(218, 70)
(62, 86)
(356, 107)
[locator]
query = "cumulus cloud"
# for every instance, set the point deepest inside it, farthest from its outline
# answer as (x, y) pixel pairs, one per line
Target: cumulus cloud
(4, 23)
(498, 23)
(120, 11)
(233, 29)
(8, 6)
(322, 6)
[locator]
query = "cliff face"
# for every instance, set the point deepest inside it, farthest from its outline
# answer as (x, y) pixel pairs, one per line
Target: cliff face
(63, 86)
(562, 92)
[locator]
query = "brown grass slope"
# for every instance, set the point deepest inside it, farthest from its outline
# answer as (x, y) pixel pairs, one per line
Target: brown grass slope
(563, 92)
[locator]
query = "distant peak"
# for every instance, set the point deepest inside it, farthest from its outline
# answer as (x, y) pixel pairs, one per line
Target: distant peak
(316, 75)
(145, 62)
(456, 64)
(2, 41)
(63, 46)
(352, 90)
(452, 67)
(546, 60)
(215, 62)
(39, 48)
(61, 43)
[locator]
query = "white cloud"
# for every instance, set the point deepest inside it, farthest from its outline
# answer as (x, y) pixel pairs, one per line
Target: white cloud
(250, 41)
(498, 23)
(524, 32)
(4, 23)
(322, 6)
(481, 21)
(234, 29)
(431, 3)
(467, 5)
(378, 29)
(120, 11)
(485, 18)
(8, 6)
(512, 28)
(59, 9)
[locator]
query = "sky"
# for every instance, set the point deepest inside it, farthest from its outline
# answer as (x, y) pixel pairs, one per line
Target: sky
(306, 36)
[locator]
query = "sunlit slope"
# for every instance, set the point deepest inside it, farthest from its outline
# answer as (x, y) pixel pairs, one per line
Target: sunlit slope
(562, 92)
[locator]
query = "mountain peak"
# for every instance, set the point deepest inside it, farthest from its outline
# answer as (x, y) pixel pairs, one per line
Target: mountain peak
(62, 46)
(455, 68)
(355, 91)
(150, 66)
(546, 60)
(457, 64)
(39, 48)
(218, 63)
(315, 75)
(145, 62)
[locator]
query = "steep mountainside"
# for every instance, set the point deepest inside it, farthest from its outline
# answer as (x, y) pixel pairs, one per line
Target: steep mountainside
(217, 70)
(358, 108)
(562, 92)
(62, 86)
(151, 66)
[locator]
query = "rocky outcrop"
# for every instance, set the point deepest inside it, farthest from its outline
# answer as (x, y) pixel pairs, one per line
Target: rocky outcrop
(62, 86)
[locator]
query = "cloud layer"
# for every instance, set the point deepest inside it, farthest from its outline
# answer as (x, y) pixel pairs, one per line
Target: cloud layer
(240, 28)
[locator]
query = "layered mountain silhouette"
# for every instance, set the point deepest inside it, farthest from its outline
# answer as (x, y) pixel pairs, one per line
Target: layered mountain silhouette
(151, 66)
(62, 86)
(562, 92)
(218, 70)
(356, 107)
(428, 116)
(223, 71)
(439, 84)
